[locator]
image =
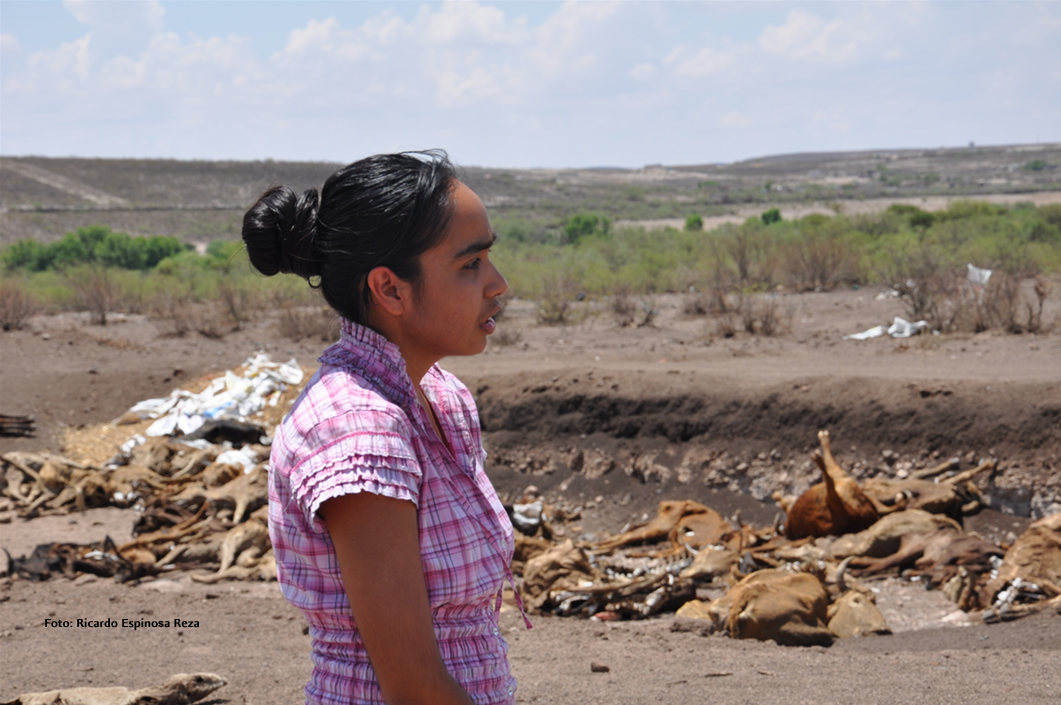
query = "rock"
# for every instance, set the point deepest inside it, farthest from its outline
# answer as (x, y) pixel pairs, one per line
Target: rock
(598, 667)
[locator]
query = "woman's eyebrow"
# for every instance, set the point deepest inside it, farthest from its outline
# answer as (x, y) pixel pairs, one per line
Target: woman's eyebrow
(477, 246)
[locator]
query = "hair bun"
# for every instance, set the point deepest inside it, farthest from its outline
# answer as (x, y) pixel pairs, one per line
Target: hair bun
(280, 231)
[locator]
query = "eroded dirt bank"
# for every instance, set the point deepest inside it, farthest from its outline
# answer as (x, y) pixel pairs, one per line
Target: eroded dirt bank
(692, 430)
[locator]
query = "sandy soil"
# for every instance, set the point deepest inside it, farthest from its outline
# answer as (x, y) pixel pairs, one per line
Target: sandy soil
(671, 390)
(792, 211)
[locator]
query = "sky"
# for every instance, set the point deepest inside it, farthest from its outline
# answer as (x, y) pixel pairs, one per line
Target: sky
(523, 84)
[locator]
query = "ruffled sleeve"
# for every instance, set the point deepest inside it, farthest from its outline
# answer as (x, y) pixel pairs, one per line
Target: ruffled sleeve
(356, 452)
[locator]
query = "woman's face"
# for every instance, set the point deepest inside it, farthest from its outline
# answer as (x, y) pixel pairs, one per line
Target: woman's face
(459, 285)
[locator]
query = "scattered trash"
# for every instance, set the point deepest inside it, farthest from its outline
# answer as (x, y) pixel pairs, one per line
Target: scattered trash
(979, 277)
(234, 397)
(900, 328)
(874, 332)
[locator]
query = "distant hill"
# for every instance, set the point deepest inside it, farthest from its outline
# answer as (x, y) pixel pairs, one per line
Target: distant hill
(201, 201)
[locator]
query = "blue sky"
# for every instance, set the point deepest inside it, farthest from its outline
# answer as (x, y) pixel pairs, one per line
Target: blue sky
(523, 84)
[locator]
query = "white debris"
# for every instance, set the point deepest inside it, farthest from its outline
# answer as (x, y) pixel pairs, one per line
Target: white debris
(874, 332)
(978, 277)
(231, 397)
(244, 456)
(900, 328)
(527, 517)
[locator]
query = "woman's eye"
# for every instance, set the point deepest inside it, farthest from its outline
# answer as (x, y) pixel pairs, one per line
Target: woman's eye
(474, 264)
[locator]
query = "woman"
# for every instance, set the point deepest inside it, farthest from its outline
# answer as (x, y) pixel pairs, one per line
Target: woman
(387, 533)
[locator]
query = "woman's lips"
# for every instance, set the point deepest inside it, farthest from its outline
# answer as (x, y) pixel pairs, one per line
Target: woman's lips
(488, 325)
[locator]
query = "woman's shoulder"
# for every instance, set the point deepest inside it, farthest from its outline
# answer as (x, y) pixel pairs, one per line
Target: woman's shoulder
(337, 404)
(456, 391)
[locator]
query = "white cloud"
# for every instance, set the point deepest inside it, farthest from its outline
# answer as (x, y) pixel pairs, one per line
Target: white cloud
(702, 63)
(643, 72)
(463, 20)
(806, 36)
(325, 38)
(580, 83)
(9, 45)
(69, 61)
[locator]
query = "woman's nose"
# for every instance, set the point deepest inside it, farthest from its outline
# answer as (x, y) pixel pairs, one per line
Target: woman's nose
(498, 285)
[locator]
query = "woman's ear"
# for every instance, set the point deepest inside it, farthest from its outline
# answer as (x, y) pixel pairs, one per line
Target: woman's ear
(389, 291)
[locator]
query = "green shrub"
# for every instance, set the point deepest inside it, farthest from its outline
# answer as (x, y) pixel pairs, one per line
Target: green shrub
(694, 223)
(771, 216)
(582, 225)
(95, 244)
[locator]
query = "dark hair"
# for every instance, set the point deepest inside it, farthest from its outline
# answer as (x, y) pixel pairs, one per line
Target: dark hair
(384, 210)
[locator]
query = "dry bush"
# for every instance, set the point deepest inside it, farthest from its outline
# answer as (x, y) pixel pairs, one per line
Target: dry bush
(210, 321)
(695, 305)
(1009, 302)
(1042, 290)
(239, 303)
(819, 262)
(944, 296)
(174, 314)
(764, 316)
(505, 337)
(623, 308)
(15, 305)
(301, 322)
(648, 313)
(95, 291)
(554, 309)
(726, 324)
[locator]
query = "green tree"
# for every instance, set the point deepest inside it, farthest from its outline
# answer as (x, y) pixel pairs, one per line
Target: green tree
(121, 251)
(582, 225)
(771, 216)
(27, 254)
(694, 223)
(159, 247)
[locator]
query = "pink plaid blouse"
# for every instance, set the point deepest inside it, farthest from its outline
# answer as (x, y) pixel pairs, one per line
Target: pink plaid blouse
(358, 428)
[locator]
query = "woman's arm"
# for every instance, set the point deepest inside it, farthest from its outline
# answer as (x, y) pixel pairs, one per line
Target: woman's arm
(378, 546)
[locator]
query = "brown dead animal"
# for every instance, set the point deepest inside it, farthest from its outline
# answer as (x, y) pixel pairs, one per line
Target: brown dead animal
(181, 689)
(953, 496)
(678, 521)
(562, 567)
(854, 612)
(790, 608)
(833, 507)
(885, 537)
(244, 494)
(945, 546)
(1035, 557)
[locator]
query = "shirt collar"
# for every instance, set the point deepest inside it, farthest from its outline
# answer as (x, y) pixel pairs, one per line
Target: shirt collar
(373, 357)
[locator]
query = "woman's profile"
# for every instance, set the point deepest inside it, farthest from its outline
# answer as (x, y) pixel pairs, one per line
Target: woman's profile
(387, 533)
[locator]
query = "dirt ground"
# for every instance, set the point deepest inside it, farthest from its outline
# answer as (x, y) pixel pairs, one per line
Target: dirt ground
(675, 410)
